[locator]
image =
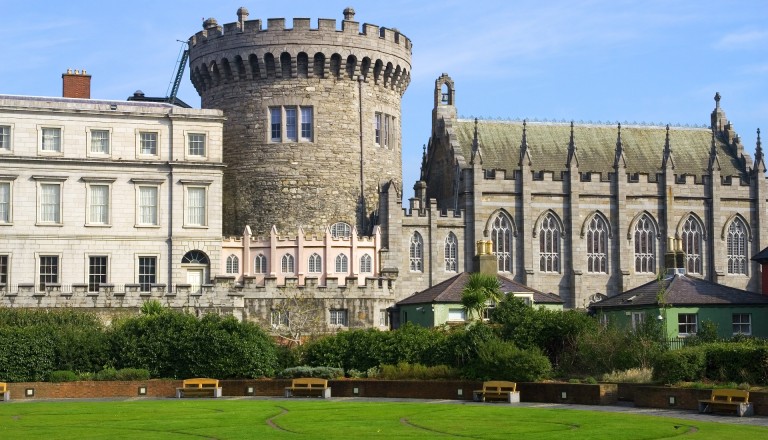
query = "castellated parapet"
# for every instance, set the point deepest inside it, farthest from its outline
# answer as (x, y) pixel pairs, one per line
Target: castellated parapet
(313, 118)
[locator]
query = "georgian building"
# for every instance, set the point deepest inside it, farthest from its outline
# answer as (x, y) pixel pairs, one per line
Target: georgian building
(102, 198)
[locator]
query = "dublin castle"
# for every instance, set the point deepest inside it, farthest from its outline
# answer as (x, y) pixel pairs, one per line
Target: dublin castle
(288, 182)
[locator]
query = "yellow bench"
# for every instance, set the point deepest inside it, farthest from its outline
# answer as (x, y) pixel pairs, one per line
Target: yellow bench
(308, 386)
(4, 393)
(199, 387)
(727, 399)
(500, 390)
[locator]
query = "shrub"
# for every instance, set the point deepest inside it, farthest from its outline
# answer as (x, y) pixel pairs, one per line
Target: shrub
(737, 362)
(632, 375)
(27, 354)
(407, 371)
(62, 376)
(501, 360)
(106, 374)
(132, 374)
(686, 364)
(307, 371)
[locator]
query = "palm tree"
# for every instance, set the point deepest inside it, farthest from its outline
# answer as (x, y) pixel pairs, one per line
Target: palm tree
(478, 292)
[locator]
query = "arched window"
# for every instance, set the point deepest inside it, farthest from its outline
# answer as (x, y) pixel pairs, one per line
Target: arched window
(342, 263)
(451, 243)
(645, 245)
(365, 264)
(416, 253)
(194, 257)
(692, 245)
(315, 263)
(597, 245)
(737, 247)
(341, 230)
(233, 264)
(501, 236)
(287, 264)
(260, 264)
(549, 244)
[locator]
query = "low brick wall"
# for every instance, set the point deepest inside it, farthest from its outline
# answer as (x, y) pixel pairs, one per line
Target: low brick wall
(602, 394)
(688, 398)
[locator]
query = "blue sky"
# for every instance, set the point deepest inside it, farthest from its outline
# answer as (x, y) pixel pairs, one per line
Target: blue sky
(652, 60)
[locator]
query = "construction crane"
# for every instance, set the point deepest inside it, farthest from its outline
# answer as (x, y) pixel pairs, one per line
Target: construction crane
(181, 64)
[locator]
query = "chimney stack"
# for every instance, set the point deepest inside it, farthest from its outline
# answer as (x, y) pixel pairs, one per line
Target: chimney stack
(485, 261)
(76, 84)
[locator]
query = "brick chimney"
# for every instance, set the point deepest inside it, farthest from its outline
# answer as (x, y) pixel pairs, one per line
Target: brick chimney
(76, 84)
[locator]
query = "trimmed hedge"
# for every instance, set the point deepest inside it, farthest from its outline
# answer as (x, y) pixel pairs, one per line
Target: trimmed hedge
(737, 362)
(27, 354)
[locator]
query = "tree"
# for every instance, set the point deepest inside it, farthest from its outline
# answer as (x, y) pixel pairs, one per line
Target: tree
(478, 292)
(297, 315)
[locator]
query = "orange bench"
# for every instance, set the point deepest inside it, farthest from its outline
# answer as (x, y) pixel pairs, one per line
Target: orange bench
(498, 390)
(199, 387)
(728, 399)
(308, 386)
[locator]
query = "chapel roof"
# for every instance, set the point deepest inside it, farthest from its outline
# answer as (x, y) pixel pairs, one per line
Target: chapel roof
(643, 146)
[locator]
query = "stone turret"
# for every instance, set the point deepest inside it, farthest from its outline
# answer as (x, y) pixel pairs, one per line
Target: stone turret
(313, 118)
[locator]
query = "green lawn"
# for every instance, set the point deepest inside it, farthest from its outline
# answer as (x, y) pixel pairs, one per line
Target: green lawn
(309, 418)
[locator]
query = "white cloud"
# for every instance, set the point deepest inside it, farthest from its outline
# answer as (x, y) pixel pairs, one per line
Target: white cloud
(741, 40)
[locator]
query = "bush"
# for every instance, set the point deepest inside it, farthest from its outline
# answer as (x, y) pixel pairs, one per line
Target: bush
(683, 365)
(27, 354)
(62, 376)
(501, 360)
(407, 371)
(737, 362)
(307, 371)
(106, 374)
(632, 375)
(132, 374)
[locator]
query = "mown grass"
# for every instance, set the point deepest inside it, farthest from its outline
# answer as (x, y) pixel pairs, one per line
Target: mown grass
(320, 419)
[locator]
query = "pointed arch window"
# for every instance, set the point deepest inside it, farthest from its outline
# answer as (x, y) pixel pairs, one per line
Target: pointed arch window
(342, 263)
(737, 247)
(260, 264)
(315, 263)
(451, 245)
(692, 245)
(549, 244)
(597, 245)
(416, 253)
(645, 245)
(233, 264)
(501, 236)
(287, 264)
(365, 264)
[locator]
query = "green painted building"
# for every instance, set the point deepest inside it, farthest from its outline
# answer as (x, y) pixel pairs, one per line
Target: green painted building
(682, 303)
(441, 303)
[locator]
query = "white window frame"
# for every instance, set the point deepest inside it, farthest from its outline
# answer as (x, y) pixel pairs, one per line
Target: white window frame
(737, 248)
(288, 264)
(740, 323)
(342, 263)
(6, 139)
(89, 134)
(53, 181)
(140, 154)
(91, 182)
(260, 264)
(39, 287)
(279, 318)
(338, 317)
(148, 183)
(366, 263)
(341, 230)
(291, 129)
(597, 237)
(456, 314)
(315, 263)
(195, 185)
(645, 245)
(188, 150)
(5, 276)
(273, 111)
(306, 129)
(687, 323)
(6, 219)
(383, 318)
(89, 274)
(416, 253)
(233, 265)
(42, 130)
(638, 318)
(377, 125)
(155, 275)
(451, 253)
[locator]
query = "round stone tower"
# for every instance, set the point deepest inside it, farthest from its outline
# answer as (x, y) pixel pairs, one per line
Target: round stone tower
(313, 118)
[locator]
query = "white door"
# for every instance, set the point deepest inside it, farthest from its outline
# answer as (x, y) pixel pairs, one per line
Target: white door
(195, 278)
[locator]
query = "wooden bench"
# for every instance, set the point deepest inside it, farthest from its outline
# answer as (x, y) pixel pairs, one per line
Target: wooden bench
(497, 390)
(728, 400)
(199, 387)
(308, 386)
(4, 393)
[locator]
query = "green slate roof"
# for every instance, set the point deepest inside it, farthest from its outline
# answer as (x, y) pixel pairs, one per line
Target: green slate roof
(643, 146)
